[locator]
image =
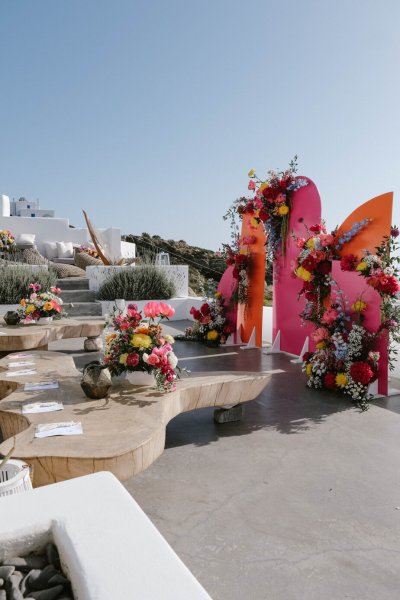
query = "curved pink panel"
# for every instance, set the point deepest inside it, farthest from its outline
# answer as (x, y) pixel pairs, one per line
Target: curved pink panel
(306, 211)
(227, 287)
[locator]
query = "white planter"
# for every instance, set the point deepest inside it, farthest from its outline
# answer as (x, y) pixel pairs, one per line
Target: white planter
(44, 320)
(136, 378)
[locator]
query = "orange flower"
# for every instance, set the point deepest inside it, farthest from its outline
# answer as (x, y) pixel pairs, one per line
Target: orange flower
(142, 330)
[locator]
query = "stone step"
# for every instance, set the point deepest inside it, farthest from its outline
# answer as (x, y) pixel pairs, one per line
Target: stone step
(78, 296)
(83, 309)
(73, 283)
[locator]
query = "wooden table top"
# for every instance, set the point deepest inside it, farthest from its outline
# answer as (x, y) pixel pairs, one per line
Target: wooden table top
(123, 433)
(27, 337)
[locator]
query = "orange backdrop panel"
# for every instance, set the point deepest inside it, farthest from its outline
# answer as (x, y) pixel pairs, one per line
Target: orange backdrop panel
(250, 317)
(378, 209)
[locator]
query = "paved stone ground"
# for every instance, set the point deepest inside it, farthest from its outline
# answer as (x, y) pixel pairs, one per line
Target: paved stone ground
(300, 500)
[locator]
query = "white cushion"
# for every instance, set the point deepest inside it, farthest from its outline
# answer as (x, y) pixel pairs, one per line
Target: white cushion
(25, 238)
(51, 250)
(65, 249)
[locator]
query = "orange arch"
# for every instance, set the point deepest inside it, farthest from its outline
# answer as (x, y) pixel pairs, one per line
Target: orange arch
(378, 209)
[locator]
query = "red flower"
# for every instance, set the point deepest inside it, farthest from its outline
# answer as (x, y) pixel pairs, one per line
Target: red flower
(324, 267)
(307, 356)
(385, 284)
(330, 381)
(132, 359)
(348, 262)
(196, 314)
(309, 263)
(317, 228)
(394, 232)
(263, 215)
(361, 372)
(205, 309)
(311, 297)
(229, 328)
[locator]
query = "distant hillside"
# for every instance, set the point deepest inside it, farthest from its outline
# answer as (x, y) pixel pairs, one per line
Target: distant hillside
(203, 264)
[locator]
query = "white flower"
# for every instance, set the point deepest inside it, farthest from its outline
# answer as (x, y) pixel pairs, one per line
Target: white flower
(172, 359)
(145, 357)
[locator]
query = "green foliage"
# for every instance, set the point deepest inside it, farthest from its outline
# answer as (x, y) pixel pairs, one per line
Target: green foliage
(140, 283)
(14, 281)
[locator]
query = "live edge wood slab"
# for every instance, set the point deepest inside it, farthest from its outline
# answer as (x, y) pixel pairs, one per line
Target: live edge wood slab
(123, 433)
(15, 338)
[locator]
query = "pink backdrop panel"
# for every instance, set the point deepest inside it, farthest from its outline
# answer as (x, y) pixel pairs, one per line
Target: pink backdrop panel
(354, 287)
(306, 211)
(227, 287)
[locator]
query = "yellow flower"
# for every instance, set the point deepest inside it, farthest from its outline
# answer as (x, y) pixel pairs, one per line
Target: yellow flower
(48, 306)
(304, 274)
(29, 309)
(212, 335)
(169, 339)
(310, 243)
(263, 186)
(309, 369)
(362, 266)
(359, 306)
(140, 340)
(320, 345)
(110, 337)
(283, 210)
(122, 358)
(254, 222)
(251, 173)
(341, 379)
(217, 295)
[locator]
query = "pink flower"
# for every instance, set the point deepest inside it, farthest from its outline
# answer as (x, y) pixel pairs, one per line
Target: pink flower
(166, 309)
(329, 316)
(205, 320)
(124, 325)
(320, 334)
(300, 242)
(153, 360)
(252, 185)
(55, 290)
(152, 309)
(326, 239)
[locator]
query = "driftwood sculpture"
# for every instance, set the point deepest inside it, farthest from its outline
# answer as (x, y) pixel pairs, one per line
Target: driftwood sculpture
(97, 244)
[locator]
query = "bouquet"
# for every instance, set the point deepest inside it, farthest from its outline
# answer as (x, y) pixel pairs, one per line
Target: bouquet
(138, 344)
(7, 240)
(40, 304)
(211, 324)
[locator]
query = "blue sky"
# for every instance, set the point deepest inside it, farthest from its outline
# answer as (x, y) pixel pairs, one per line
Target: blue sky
(149, 114)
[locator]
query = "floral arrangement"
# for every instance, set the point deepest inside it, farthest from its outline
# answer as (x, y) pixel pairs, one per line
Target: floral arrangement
(40, 304)
(7, 240)
(211, 324)
(238, 255)
(89, 250)
(345, 359)
(138, 344)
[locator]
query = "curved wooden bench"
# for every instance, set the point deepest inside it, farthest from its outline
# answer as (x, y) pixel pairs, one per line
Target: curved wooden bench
(15, 338)
(123, 433)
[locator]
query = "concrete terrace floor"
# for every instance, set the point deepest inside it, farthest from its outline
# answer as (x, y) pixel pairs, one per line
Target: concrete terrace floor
(299, 500)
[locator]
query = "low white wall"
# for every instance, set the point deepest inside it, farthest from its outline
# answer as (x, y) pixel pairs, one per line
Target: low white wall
(182, 306)
(178, 274)
(267, 324)
(6, 307)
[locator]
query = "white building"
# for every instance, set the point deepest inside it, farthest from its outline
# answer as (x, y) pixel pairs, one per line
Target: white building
(27, 221)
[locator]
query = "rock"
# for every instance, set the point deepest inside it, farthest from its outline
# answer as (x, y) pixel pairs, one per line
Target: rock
(228, 415)
(93, 344)
(52, 555)
(33, 561)
(58, 579)
(5, 572)
(48, 594)
(39, 580)
(3, 595)
(2, 583)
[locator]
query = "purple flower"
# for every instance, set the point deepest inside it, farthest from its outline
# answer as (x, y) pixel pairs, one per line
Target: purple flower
(394, 232)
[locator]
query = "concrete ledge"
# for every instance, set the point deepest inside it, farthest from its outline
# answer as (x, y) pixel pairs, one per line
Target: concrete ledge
(108, 546)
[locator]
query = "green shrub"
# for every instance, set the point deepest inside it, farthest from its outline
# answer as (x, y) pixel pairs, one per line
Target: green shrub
(140, 283)
(14, 281)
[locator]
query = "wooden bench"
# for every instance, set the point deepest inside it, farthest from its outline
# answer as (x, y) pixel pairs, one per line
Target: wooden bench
(15, 338)
(123, 433)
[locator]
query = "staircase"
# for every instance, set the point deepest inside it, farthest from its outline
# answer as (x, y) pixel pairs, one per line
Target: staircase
(78, 300)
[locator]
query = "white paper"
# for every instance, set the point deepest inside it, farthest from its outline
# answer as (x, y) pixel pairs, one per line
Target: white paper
(40, 385)
(20, 355)
(22, 363)
(21, 373)
(2, 333)
(41, 407)
(52, 429)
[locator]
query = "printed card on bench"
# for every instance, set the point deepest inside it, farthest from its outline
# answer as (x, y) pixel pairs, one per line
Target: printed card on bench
(22, 373)
(42, 407)
(34, 386)
(52, 429)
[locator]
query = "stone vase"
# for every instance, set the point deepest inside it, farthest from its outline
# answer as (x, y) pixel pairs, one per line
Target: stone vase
(11, 318)
(96, 380)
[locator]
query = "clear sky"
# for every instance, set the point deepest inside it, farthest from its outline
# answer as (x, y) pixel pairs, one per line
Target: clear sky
(150, 113)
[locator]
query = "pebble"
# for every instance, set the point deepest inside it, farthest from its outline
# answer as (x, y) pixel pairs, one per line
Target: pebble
(34, 577)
